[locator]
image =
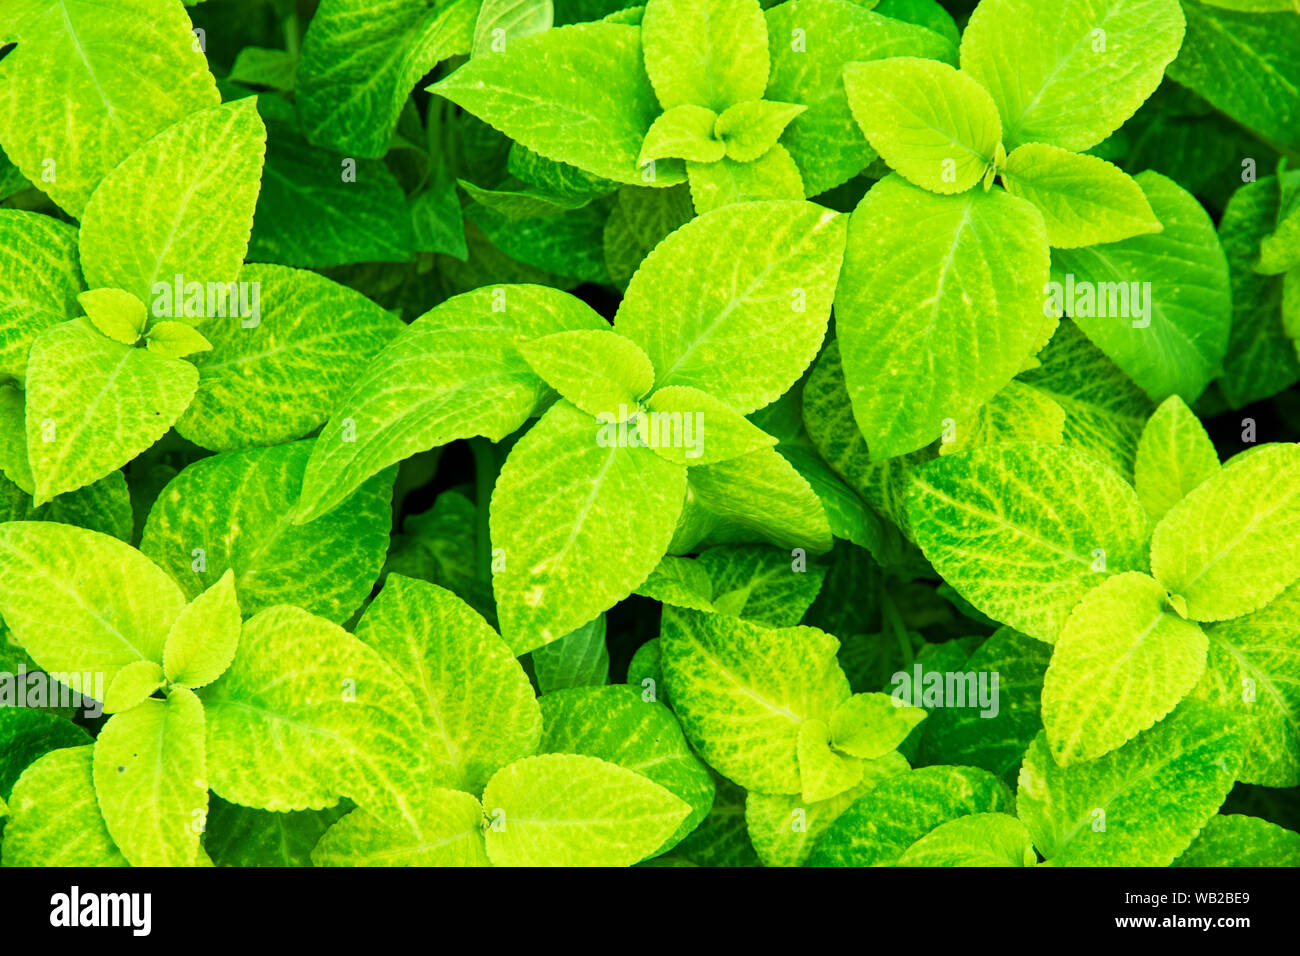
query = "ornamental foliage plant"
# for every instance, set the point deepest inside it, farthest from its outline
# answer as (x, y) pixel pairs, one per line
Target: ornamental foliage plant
(709, 432)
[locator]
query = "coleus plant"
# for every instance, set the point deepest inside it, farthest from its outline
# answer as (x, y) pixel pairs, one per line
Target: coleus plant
(702, 564)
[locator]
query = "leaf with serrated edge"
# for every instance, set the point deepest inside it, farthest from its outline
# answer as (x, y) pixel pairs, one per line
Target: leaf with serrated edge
(119, 315)
(718, 433)
(980, 839)
(728, 182)
(599, 371)
(580, 659)
(450, 834)
(683, 132)
(40, 276)
(203, 638)
(76, 835)
(871, 725)
(132, 685)
(823, 773)
(751, 128)
(1234, 839)
(1174, 456)
(710, 53)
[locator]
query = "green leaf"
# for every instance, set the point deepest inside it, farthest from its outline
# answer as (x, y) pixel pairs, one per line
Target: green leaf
(582, 522)
(176, 340)
(823, 773)
(234, 510)
(1238, 840)
(40, 276)
(735, 303)
(751, 128)
(1251, 671)
(880, 827)
(1226, 547)
(239, 836)
(151, 781)
(710, 53)
(463, 676)
(82, 92)
(78, 600)
(306, 714)
(361, 58)
(1018, 412)
(871, 725)
(94, 404)
(577, 94)
(449, 834)
(760, 584)
(717, 433)
(580, 659)
(601, 372)
(742, 691)
(683, 132)
(1140, 805)
(727, 182)
(455, 372)
(205, 635)
(928, 328)
(616, 724)
(29, 734)
(934, 125)
(638, 221)
(1025, 529)
(1175, 342)
(277, 379)
(260, 66)
(500, 21)
(571, 810)
(811, 42)
(182, 205)
(1068, 73)
(1245, 64)
(119, 315)
(133, 684)
(76, 835)
(1084, 200)
(1122, 662)
(1174, 456)
(980, 839)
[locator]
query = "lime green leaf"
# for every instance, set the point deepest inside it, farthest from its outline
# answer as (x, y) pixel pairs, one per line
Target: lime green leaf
(1018, 412)
(639, 220)
(928, 330)
(133, 684)
(278, 379)
(203, 638)
(572, 810)
(1084, 200)
(82, 601)
(1122, 662)
(871, 725)
(94, 404)
(751, 128)
(879, 828)
(1140, 805)
(580, 659)
(176, 340)
(577, 94)
(1251, 670)
(151, 781)
(28, 734)
(823, 773)
(306, 714)
(691, 427)
(582, 522)
(449, 833)
(1174, 456)
(760, 584)
(683, 132)
(500, 21)
(119, 315)
(40, 276)
(1245, 64)
(361, 58)
(1069, 72)
(76, 835)
(1023, 530)
(461, 674)
(1237, 840)
(710, 53)
(181, 206)
(81, 92)
(980, 839)
(455, 372)
(1227, 548)
(727, 182)
(1158, 305)
(742, 691)
(811, 41)
(616, 724)
(234, 510)
(735, 303)
(934, 125)
(601, 372)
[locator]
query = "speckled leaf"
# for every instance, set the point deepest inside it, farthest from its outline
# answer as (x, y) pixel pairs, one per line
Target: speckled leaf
(1237, 840)
(40, 276)
(76, 835)
(597, 370)
(710, 53)
(449, 834)
(203, 638)
(579, 659)
(979, 839)
(1174, 456)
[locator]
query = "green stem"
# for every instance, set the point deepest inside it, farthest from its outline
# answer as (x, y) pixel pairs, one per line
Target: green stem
(292, 40)
(890, 613)
(485, 475)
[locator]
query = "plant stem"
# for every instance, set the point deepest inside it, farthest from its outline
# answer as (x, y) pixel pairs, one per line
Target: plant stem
(890, 613)
(485, 476)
